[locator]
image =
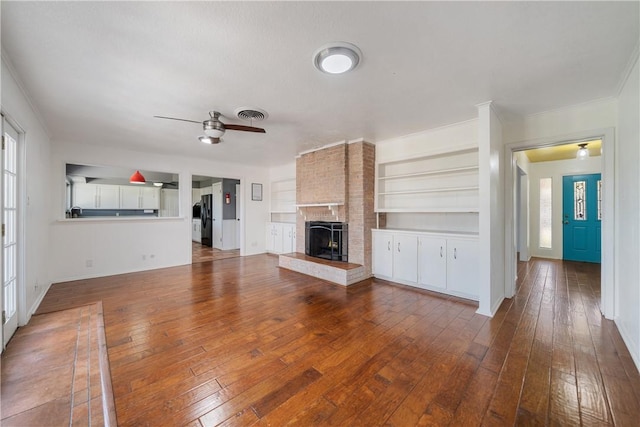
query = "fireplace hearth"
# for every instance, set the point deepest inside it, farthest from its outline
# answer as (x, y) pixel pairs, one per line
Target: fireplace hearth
(326, 240)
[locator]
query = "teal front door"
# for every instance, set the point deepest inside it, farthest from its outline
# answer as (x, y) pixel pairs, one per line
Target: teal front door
(581, 217)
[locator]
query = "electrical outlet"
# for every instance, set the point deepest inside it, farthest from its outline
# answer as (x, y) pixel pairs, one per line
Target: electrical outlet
(144, 257)
(89, 263)
(152, 256)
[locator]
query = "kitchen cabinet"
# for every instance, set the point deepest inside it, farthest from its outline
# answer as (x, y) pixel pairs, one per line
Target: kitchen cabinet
(281, 237)
(96, 196)
(443, 262)
(196, 230)
(133, 197)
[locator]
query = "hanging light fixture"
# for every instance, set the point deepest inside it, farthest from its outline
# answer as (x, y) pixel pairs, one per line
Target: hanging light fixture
(583, 152)
(137, 178)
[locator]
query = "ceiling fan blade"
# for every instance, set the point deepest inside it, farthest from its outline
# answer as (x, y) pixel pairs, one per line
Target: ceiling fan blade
(173, 118)
(244, 128)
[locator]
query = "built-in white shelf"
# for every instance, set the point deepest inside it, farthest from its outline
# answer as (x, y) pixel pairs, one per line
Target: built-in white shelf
(442, 181)
(318, 205)
(428, 173)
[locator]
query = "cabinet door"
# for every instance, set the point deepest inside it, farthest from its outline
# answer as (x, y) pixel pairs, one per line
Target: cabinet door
(382, 254)
(432, 262)
(149, 198)
(288, 231)
(85, 196)
(463, 266)
(277, 238)
(405, 257)
(269, 237)
(108, 197)
(129, 197)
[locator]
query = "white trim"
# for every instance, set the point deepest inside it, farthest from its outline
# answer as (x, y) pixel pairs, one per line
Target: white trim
(300, 154)
(608, 176)
(627, 70)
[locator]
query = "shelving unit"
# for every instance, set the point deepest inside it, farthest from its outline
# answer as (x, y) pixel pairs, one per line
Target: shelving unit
(441, 182)
(283, 200)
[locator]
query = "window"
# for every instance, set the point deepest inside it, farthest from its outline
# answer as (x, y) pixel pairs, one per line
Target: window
(545, 213)
(599, 200)
(580, 201)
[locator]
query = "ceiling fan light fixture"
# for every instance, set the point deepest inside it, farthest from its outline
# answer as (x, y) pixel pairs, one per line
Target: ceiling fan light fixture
(137, 178)
(337, 58)
(209, 139)
(583, 152)
(213, 128)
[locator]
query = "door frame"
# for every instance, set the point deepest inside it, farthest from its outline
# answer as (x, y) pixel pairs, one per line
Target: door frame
(21, 291)
(608, 301)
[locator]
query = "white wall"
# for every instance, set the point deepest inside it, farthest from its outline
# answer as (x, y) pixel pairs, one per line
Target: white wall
(34, 194)
(554, 170)
(120, 246)
(627, 221)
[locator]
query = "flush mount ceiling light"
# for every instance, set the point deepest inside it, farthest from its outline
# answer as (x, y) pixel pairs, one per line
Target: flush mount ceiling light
(137, 178)
(158, 184)
(583, 152)
(337, 58)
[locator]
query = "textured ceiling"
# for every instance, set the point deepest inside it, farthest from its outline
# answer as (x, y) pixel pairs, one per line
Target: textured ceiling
(99, 71)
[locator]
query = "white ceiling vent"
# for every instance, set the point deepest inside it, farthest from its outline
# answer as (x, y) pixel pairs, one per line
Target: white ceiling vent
(254, 114)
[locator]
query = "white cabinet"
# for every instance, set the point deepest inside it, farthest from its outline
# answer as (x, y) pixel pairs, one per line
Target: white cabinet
(382, 253)
(432, 262)
(443, 262)
(281, 237)
(196, 230)
(405, 257)
(462, 266)
(96, 196)
(132, 197)
(288, 238)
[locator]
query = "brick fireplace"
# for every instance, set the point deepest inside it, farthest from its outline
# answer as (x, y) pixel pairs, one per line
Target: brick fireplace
(336, 184)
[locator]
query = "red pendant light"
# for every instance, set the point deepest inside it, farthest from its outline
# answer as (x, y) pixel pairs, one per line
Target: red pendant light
(137, 178)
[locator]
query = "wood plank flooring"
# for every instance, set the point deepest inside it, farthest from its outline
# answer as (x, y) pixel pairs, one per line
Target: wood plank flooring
(55, 371)
(202, 253)
(240, 342)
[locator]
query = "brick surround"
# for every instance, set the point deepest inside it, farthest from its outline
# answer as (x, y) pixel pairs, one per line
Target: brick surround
(343, 174)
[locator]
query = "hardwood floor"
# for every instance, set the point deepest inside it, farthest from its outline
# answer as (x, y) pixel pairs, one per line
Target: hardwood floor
(202, 253)
(241, 342)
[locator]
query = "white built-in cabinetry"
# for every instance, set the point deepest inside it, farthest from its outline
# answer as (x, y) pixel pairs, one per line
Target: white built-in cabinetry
(196, 230)
(281, 231)
(444, 262)
(103, 196)
(281, 237)
(438, 182)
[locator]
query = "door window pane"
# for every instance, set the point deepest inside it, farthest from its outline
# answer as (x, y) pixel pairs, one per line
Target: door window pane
(580, 201)
(545, 213)
(599, 200)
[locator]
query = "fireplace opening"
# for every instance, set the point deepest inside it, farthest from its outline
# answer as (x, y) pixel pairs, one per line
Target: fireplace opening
(327, 240)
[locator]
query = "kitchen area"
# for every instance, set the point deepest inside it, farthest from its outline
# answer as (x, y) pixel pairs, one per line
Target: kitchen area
(215, 231)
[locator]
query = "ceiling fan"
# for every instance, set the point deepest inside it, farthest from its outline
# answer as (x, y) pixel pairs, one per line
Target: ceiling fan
(214, 129)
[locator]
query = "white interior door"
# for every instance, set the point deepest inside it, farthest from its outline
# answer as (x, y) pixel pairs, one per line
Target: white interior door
(10, 253)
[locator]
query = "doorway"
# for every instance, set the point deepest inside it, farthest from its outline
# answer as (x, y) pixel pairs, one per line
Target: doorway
(215, 223)
(606, 136)
(581, 217)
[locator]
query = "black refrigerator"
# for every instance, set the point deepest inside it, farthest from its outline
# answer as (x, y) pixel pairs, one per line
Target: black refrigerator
(206, 219)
